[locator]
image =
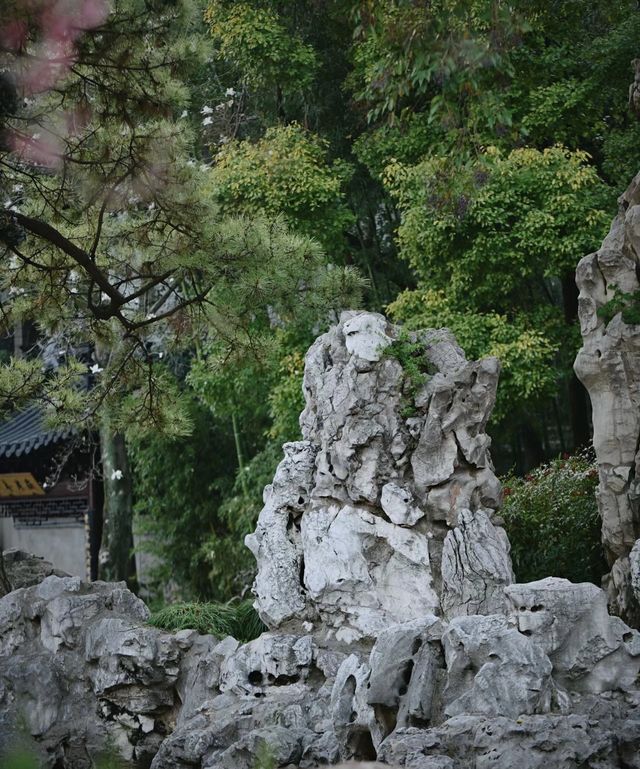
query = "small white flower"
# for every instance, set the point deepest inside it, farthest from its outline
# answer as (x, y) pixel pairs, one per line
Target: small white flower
(151, 316)
(117, 475)
(95, 369)
(230, 103)
(230, 92)
(207, 121)
(35, 137)
(151, 206)
(206, 110)
(220, 107)
(161, 355)
(184, 114)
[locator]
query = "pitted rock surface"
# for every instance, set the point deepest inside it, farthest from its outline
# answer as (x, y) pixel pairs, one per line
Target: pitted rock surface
(397, 632)
(351, 534)
(608, 364)
(82, 670)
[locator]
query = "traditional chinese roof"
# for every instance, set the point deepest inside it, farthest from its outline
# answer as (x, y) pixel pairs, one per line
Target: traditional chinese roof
(25, 431)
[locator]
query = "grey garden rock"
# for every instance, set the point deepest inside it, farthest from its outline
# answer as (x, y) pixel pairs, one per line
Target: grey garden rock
(25, 569)
(528, 742)
(82, 670)
(590, 650)
(608, 364)
(475, 566)
(351, 534)
(492, 669)
(396, 632)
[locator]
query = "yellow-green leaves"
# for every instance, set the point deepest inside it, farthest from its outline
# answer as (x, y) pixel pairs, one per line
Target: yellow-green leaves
(263, 50)
(525, 346)
(286, 172)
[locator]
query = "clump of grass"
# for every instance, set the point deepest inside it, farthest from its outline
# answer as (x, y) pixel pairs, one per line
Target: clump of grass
(18, 759)
(239, 620)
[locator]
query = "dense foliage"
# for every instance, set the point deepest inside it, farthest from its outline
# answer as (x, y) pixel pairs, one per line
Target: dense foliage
(552, 520)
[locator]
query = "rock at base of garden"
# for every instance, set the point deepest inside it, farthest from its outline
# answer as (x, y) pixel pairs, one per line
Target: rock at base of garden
(25, 569)
(634, 568)
(273, 705)
(591, 651)
(492, 669)
(476, 566)
(80, 670)
(526, 742)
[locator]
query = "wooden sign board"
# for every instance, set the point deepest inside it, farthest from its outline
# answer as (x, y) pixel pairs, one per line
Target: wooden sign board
(19, 485)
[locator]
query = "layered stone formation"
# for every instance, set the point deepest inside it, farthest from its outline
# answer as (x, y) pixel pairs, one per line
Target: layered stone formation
(552, 681)
(391, 470)
(397, 631)
(608, 364)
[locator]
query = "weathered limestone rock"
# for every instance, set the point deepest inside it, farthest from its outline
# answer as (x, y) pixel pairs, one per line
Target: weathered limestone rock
(492, 669)
(80, 669)
(351, 534)
(270, 694)
(590, 650)
(25, 569)
(397, 633)
(274, 545)
(608, 364)
(528, 742)
(634, 567)
(475, 566)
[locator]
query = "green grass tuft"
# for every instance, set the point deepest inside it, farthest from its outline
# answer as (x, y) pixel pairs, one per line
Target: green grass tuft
(239, 620)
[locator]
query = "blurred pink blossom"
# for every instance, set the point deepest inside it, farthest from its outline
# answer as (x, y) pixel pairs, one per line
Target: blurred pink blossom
(13, 34)
(42, 149)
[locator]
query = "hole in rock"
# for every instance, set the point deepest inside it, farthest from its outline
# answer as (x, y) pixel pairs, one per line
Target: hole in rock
(362, 748)
(416, 645)
(406, 674)
(537, 607)
(627, 636)
(527, 632)
(283, 680)
(346, 700)
(301, 500)
(255, 678)
(387, 717)
(419, 723)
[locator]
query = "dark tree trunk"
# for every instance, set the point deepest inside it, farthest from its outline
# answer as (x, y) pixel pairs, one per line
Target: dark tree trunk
(116, 553)
(5, 585)
(532, 451)
(578, 404)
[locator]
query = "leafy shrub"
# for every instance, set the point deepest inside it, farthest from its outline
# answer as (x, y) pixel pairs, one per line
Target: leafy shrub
(239, 620)
(626, 304)
(552, 521)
